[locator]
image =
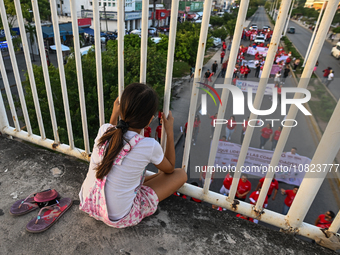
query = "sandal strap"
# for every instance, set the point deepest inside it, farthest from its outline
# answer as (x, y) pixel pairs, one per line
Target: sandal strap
(50, 207)
(27, 203)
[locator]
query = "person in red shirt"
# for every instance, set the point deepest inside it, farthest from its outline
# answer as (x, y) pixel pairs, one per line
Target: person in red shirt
(224, 68)
(244, 217)
(147, 132)
(255, 196)
(290, 195)
(261, 44)
(216, 207)
(325, 220)
(275, 137)
(222, 56)
(243, 188)
(158, 133)
(246, 71)
(265, 135)
(224, 46)
(242, 71)
(214, 117)
(274, 185)
(231, 126)
(226, 184)
(177, 194)
(192, 198)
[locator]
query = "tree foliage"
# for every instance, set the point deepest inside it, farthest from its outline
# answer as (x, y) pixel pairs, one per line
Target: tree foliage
(156, 68)
(26, 6)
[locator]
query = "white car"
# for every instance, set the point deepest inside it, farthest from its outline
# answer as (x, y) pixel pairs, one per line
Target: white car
(136, 32)
(152, 30)
(217, 41)
(253, 27)
(336, 51)
(156, 39)
(259, 39)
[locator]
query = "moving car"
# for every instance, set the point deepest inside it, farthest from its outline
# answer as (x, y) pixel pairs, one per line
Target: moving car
(259, 39)
(336, 51)
(291, 30)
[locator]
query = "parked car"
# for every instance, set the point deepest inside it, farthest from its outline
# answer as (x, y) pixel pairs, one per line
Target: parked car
(136, 32)
(291, 30)
(259, 39)
(164, 29)
(216, 41)
(152, 31)
(336, 51)
(253, 27)
(156, 39)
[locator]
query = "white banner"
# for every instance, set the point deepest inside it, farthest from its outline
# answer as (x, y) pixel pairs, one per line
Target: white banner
(261, 50)
(291, 168)
(250, 63)
(281, 58)
(244, 85)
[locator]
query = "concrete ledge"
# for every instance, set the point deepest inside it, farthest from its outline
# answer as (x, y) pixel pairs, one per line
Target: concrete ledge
(178, 227)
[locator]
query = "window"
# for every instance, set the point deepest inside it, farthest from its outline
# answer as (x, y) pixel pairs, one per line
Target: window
(104, 4)
(91, 3)
(58, 5)
(109, 5)
(62, 2)
(113, 4)
(100, 4)
(82, 7)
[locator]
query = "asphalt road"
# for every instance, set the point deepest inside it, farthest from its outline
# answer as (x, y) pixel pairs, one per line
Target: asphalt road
(302, 136)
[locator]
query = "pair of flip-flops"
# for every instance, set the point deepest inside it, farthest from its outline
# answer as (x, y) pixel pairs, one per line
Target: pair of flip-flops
(51, 209)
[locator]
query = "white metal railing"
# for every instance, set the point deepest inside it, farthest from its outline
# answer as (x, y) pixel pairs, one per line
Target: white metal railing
(325, 153)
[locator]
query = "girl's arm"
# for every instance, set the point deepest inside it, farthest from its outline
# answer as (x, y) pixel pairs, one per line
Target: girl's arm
(115, 112)
(168, 163)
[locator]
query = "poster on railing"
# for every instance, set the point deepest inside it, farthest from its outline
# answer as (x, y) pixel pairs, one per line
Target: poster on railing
(261, 50)
(291, 168)
(244, 85)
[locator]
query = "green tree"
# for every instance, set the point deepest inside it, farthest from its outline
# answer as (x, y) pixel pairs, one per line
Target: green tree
(216, 21)
(230, 26)
(156, 69)
(220, 32)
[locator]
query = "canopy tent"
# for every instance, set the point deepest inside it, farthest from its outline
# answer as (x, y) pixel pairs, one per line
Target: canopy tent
(90, 31)
(64, 28)
(63, 47)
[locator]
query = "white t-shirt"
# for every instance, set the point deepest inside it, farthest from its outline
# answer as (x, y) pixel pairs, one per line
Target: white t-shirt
(123, 179)
(330, 76)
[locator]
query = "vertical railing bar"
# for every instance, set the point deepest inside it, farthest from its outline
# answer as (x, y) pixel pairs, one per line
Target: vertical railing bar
(292, 113)
(62, 72)
(45, 69)
(335, 226)
(9, 95)
(121, 34)
(3, 116)
(260, 91)
(29, 68)
(77, 55)
(15, 67)
(227, 80)
(288, 18)
(313, 35)
(99, 69)
(197, 77)
(144, 41)
(169, 65)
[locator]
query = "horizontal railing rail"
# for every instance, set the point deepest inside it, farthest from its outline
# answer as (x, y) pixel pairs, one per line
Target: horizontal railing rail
(325, 152)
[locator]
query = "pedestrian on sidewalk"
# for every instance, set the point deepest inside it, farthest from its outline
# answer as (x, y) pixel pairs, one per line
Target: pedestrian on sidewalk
(265, 135)
(325, 74)
(224, 68)
(192, 71)
(316, 66)
(222, 56)
(197, 123)
(285, 73)
(296, 64)
(206, 76)
(275, 137)
(147, 131)
(330, 78)
(214, 67)
(231, 126)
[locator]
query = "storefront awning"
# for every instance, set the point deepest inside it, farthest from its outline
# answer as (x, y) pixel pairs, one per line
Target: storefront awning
(65, 29)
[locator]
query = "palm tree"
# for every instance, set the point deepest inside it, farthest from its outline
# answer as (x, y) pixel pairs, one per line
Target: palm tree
(31, 30)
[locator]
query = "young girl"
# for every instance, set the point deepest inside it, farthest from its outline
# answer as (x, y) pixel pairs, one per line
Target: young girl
(115, 190)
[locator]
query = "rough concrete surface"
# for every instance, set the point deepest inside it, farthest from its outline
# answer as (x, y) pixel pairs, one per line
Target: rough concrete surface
(178, 227)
